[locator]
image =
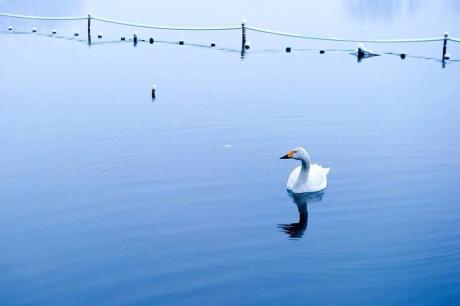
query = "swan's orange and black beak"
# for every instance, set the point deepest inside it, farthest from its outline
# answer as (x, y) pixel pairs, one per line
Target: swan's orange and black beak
(288, 155)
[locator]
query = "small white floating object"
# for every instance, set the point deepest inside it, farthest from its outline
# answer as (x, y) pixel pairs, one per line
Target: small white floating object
(99, 35)
(10, 28)
(248, 45)
(76, 33)
(34, 30)
(307, 177)
(447, 56)
(54, 32)
(227, 146)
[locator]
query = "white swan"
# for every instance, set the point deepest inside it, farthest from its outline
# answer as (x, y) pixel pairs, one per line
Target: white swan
(306, 177)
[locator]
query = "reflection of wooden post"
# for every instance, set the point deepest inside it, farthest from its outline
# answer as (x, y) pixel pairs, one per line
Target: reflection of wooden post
(444, 48)
(89, 29)
(243, 37)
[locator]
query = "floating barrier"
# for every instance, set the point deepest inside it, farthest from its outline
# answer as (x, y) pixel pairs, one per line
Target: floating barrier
(245, 45)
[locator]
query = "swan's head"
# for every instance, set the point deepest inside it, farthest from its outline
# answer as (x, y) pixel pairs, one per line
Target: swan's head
(297, 153)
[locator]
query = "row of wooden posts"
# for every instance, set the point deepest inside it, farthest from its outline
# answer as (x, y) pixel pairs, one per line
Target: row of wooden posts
(245, 45)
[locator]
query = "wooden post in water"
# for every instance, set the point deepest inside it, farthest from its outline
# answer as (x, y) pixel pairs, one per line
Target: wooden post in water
(89, 29)
(444, 48)
(243, 37)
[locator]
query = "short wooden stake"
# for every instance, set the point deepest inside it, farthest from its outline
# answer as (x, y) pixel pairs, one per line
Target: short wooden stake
(135, 39)
(243, 32)
(360, 52)
(243, 38)
(444, 48)
(89, 29)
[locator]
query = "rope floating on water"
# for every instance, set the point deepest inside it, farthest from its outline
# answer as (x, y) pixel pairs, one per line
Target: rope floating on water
(124, 39)
(407, 40)
(138, 25)
(40, 17)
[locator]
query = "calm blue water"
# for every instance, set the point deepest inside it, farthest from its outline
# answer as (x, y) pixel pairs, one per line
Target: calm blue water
(110, 198)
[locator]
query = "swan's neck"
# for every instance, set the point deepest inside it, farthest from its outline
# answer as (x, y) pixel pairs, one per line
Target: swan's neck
(303, 175)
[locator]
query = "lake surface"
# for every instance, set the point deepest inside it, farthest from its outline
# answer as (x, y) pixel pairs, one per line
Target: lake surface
(110, 198)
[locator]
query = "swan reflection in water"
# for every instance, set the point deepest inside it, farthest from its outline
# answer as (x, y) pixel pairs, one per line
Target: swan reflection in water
(297, 229)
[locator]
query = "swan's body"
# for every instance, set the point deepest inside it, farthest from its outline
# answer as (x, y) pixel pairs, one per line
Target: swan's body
(316, 179)
(307, 177)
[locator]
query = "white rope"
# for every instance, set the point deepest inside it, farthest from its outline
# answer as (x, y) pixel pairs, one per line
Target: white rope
(165, 27)
(410, 40)
(123, 23)
(41, 17)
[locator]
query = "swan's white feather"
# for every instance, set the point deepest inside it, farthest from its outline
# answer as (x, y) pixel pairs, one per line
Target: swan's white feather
(317, 179)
